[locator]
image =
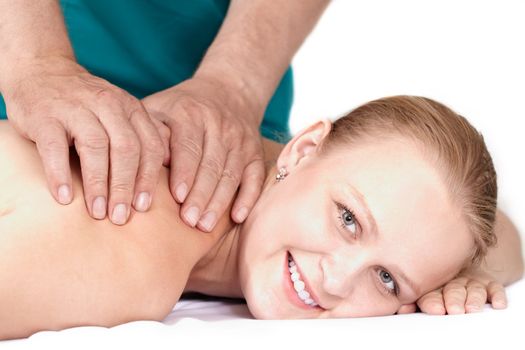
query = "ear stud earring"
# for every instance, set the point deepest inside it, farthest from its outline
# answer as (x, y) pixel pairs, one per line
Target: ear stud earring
(282, 174)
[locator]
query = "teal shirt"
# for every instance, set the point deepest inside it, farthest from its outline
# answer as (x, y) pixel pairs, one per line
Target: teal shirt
(145, 46)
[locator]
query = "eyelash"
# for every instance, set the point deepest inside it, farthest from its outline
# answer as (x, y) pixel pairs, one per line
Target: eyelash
(341, 208)
(393, 292)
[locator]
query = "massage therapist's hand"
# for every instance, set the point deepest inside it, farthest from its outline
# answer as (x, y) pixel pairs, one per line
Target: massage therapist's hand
(215, 146)
(57, 103)
(467, 293)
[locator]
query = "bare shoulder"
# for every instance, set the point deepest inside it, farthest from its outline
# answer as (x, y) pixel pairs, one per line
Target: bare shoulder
(61, 268)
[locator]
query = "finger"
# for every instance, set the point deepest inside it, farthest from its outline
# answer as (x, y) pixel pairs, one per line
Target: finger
(208, 176)
(186, 152)
(250, 189)
(53, 146)
(407, 309)
(124, 155)
(497, 295)
(476, 296)
(454, 295)
(432, 303)
(165, 133)
(151, 157)
(224, 192)
(92, 145)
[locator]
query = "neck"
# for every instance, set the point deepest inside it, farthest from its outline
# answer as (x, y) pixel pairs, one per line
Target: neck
(217, 272)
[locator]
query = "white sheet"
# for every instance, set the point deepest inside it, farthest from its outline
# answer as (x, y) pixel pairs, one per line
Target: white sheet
(220, 323)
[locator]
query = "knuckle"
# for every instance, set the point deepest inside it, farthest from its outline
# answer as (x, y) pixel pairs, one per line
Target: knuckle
(50, 144)
(453, 285)
(92, 142)
(129, 99)
(148, 175)
(495, 286)
(455, 292)
(479, 288)
(95, 180)
(134, 108)
(476, 299)
(121, 187)
(213, 166)
(126, 145)
(231, 176)
(105, 95)
(190, 147)
(153, 145)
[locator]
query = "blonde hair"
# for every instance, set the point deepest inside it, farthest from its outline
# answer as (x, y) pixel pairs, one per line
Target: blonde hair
(458, 149)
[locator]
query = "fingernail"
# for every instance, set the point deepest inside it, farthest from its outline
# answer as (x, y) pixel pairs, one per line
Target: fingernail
(120, 214)
(181, 191)
(192, 215)
(453, 310)
(99, 207)
(208, 221)
(142, 201)
(241, 214)
(64, 194)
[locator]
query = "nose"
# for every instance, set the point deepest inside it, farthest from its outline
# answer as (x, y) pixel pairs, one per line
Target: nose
(340, 272)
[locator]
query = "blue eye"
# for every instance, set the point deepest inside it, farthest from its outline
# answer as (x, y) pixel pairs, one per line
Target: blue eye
(347, 218)
(388, 281)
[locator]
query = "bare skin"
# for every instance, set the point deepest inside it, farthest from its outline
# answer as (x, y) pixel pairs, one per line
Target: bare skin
(140, 269)
(64, 269)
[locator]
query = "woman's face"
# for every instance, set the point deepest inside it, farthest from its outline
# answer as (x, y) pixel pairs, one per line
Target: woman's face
(368, 228)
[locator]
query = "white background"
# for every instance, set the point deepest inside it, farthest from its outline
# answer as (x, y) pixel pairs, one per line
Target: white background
(469, 55)
(466, 54)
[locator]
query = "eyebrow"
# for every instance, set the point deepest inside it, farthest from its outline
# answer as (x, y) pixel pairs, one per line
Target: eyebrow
(375, 231)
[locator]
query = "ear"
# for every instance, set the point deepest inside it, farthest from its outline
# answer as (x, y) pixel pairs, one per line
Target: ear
(304, 144)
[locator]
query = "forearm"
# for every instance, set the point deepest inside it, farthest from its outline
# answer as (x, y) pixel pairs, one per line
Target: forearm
(30, 29)
(256, 44)
(504, 262)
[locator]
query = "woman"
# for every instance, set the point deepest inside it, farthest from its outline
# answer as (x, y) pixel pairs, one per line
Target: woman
(365, 217)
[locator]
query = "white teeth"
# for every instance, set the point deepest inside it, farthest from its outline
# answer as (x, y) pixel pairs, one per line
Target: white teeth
(303, 295)
(299, 285)
(295, 277)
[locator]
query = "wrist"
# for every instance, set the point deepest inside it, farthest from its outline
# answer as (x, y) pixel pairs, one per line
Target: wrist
(238, 90)
(26, 67)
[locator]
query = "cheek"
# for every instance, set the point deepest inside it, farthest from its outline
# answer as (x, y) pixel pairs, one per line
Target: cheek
(287, 217)
(290, 213)
(366, 301)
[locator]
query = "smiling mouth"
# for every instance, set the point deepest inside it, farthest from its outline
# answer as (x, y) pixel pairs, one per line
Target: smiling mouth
(298, 284)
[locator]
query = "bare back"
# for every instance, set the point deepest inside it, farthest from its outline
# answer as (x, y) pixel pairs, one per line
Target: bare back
(61, 268)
